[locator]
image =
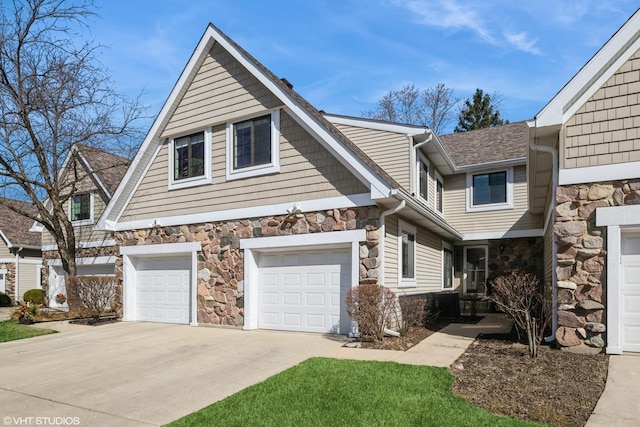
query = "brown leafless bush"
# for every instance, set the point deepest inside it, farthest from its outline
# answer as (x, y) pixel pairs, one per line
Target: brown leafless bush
(95, 293)
(371, 306)
(413, 313)
(522, 297)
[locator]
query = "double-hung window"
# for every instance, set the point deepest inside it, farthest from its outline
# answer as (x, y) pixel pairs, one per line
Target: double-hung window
(406, 254)
(190, 160)
(490, 190)
(253, 146)
(423, 179)
(81, 208)
(439, 194)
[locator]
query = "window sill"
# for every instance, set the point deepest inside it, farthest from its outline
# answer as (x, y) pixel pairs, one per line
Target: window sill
(82, 222)
(252, 171)
(486, 208)
(189, 182)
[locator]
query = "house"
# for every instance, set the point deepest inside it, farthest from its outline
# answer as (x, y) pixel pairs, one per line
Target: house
(20, 257)
(247, 206)
(97, 174)
(584, 178)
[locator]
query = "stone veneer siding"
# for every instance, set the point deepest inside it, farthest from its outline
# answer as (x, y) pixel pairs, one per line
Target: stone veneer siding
(221, 262)
(81, 253)
(512, 255)
(581, 255)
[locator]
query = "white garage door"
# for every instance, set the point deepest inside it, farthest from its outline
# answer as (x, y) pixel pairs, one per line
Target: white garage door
(162, 290)
(304, 291)
(630, 292)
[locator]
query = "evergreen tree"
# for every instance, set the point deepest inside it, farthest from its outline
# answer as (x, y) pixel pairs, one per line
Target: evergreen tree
(479, 112)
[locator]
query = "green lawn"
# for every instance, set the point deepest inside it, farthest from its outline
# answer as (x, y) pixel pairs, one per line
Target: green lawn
(329, 392)
(11, 330)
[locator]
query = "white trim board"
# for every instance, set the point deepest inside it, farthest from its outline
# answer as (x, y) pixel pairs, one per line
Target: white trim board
(612, 172)
(251, 212)
(21, 261)
(98, 260)
(509, 234)
(93, 244)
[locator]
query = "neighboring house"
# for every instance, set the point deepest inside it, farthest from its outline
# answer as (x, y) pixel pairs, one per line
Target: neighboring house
(20, 256)
(584, 177)
(247, 206)
(98, 175)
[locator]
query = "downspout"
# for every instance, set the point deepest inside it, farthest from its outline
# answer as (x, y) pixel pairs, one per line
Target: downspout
(382, 231)
(554, 246)
(17, 272)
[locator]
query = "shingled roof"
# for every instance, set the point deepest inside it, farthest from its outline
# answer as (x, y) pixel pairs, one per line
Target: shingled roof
(15, 227)
(499, 143)
(110, 168)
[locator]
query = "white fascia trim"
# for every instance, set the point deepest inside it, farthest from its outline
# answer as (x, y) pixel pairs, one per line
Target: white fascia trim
(613, 172)
(161, 249)
(499, 164)
(618, 216)
(22, 261)
(96, 260)
(95, 175)
(509, 234)
(6, 239)
(174, 184)
(593, 74)
(94, 244)
(314, 239)
(377, 125)
(252, 212)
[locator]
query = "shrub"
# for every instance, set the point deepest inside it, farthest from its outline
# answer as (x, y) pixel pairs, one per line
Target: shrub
(26, 310)
(371, 306)
(95, 293)
(5, 300)
(413, 312)
(33, 295)
(522, 297)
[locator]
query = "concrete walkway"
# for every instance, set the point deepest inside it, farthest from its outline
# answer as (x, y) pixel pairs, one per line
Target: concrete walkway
(619, 404)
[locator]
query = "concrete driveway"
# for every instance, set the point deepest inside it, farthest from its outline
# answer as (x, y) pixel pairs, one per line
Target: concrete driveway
(132, 374)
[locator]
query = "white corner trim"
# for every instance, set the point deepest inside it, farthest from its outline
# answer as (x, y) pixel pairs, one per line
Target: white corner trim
(161, 249)
(508, 234)
(195, 181)
(613, 172)
(309, 239)
(340, 202)
(97, 260)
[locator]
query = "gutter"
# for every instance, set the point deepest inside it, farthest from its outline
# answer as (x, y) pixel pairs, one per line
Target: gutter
(554, 250)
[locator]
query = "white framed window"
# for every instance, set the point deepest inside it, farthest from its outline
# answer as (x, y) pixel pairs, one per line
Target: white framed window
(407, 234)
(422, 178)
(253, 146)
(439, 196)
(190, 160)
(81, 209)
(447, 267)
(475, 269)
(490, 190)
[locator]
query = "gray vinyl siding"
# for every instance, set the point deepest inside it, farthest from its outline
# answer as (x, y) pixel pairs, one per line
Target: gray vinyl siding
(606, 129)
(389, 150)
(517, 218)
(307, 171)
(221, 90)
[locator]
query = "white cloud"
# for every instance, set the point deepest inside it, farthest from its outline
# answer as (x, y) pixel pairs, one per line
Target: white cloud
(521, 42)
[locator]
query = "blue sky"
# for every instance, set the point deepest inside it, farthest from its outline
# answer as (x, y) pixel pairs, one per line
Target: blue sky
(343, 55)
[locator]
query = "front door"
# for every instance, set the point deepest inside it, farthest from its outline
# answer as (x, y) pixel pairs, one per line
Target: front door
(475, 269)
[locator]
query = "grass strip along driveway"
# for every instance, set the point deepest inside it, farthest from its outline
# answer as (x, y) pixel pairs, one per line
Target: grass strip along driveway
(11, 330)
(329, 392)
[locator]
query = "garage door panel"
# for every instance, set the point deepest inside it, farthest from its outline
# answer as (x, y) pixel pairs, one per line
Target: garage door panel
(630, 293)
(163, 291)
(303, 291)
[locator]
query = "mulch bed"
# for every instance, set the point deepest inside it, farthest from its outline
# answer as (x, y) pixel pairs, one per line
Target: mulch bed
(94, 322)
(557, 387)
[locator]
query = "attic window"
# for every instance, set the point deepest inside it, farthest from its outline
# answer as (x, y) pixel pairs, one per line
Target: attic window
(190, 160)
(81, 209)
(253, 146)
